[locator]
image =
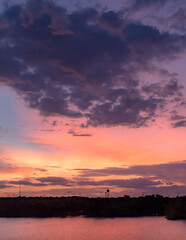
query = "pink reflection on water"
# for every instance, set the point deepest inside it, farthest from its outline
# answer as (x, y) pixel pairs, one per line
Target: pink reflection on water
(147, 228)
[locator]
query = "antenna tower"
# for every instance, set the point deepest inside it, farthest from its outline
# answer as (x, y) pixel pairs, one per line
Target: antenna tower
(20, 190)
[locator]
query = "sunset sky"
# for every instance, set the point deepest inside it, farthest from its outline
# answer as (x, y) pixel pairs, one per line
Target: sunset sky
(92, 97)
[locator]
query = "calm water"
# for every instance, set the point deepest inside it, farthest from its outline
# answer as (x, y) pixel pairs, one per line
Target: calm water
(147, 228)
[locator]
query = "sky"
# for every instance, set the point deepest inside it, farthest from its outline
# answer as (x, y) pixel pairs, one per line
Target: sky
(92, 97)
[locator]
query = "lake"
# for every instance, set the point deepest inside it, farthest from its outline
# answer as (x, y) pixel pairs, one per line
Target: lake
(79, 228)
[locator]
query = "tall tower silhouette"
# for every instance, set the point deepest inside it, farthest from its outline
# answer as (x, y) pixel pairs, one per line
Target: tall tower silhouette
(20, 190)
(107, 193)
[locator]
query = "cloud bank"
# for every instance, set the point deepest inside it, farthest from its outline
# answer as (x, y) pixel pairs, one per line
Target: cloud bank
(87, 63)
(157, 178)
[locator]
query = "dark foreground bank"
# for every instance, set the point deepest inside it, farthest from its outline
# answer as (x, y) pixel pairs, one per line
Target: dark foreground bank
(154, 205)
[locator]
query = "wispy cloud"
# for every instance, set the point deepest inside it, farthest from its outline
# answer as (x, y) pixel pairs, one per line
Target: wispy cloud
(170, 172)
(77, 134)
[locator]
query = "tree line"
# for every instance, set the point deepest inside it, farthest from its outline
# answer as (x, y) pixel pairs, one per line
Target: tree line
(151, 205)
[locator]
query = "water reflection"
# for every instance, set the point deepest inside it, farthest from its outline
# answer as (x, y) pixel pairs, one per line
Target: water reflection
(147, 228)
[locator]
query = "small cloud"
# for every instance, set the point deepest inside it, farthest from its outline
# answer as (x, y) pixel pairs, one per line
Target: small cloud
(73, 133)
(55, 123)
(179, 124)
(41, 169)
(47, 130)
(53, 166)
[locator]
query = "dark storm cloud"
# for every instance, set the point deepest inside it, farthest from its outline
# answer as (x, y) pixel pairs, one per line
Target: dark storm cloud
(168, 172)
(86, 63)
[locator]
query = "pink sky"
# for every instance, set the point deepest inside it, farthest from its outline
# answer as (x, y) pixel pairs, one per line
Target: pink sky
(92, 99)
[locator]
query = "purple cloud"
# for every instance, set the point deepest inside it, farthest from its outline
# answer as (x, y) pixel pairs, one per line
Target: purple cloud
(55, 181)
(179, 124)
(155, 172)
(86, 63)
(122, 183)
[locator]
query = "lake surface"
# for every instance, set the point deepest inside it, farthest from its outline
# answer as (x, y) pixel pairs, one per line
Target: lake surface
(79, 228)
